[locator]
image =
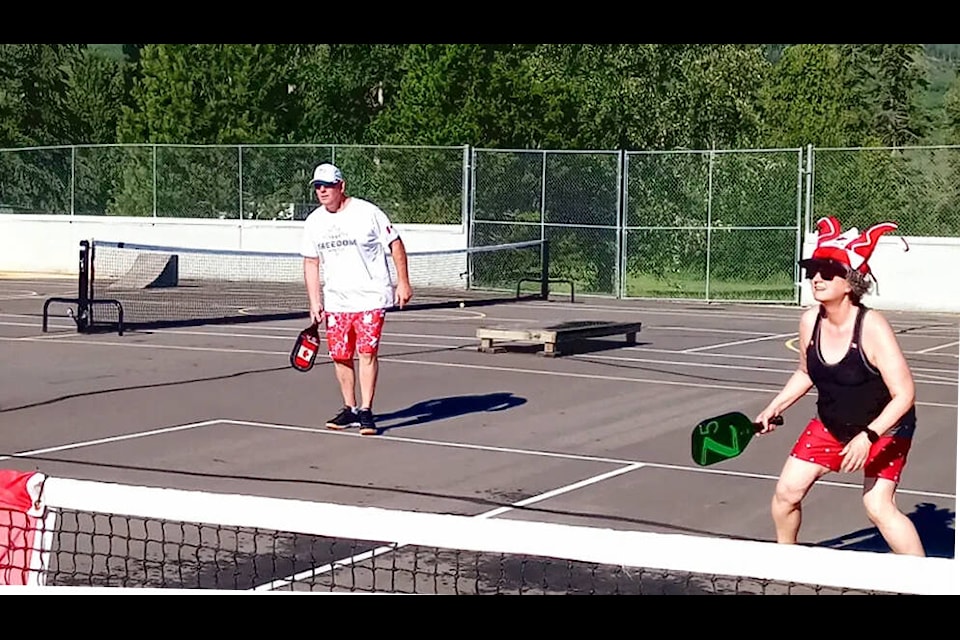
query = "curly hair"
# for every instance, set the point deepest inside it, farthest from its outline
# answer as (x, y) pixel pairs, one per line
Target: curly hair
(860, 285)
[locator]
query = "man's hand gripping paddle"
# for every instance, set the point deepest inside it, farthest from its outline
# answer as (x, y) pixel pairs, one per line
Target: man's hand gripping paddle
(723, 437)
(304, 352)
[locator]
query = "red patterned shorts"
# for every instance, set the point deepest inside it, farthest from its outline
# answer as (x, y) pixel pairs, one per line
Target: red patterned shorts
(350, 332)
(886, 459)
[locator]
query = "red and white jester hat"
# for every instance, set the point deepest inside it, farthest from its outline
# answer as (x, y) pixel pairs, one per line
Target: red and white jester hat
(850, 248)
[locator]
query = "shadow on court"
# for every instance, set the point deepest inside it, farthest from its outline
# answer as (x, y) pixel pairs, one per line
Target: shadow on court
(934, 525)
(150, 385)
(450, 407)
(572, 347)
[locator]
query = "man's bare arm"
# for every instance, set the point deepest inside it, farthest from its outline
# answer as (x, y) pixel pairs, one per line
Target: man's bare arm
(311, 278)
(399, 253)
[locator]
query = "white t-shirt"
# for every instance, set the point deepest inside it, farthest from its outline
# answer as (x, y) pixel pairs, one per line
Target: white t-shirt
(353, 245)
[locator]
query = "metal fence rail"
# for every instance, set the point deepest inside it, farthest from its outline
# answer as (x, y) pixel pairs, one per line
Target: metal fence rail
(711, 225)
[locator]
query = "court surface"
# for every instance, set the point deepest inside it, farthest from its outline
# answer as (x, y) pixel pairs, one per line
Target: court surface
(599, 438)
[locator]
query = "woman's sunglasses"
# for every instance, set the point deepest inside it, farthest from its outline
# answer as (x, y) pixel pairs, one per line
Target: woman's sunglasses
(827, 269)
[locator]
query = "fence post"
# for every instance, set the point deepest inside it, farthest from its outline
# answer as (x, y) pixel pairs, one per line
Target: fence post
(543, 195)
(240, 183)
(803, 178)
(73, 180)
(809, 190)
(713, 151)
(545, 269)
(154, 181)
(621, 262)
(465, 196)
(472, 198)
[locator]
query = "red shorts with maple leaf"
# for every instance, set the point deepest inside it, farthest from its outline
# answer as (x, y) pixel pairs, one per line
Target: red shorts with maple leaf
(350, 332)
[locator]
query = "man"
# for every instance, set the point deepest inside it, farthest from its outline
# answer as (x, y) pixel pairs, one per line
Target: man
(866, 414)
(348, 239)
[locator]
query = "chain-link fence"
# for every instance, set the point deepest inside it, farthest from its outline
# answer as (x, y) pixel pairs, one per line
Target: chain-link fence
(715, 225)
(711, 225)
(263, 182)
(570, 198)
(918, 187)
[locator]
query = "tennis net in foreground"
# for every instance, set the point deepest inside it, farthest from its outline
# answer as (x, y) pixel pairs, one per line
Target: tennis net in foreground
(147, 285)
(111, 535)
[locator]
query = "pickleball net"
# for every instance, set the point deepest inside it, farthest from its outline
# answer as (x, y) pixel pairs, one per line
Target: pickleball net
(153, 285)
(115, 536)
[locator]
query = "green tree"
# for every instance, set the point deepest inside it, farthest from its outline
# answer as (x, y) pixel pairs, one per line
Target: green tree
(951, 104)
(96, 92)
(601, 96)
(35, 111)
(34, 82)
(808, 99)
(455, 94)
(949, 52)
(212, 94)
(716, 105)
(892, 80)
(206, 95)
(342, 88)
(648, 96)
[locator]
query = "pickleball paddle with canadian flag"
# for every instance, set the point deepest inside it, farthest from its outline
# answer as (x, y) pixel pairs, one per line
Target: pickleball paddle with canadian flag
(304, 352)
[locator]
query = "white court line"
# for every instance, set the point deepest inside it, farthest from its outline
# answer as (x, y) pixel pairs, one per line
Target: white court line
(939, 347)
(736, 356)
(565, 456)
(927, 378)
(23, 295)
(469, 340)
(705, 365)
(709, 330)
(675, 312)
(895, 318)
(46, 337)
(227, 334)
(567, 374)
(175, 347)
(108, 440)
(327, 568)
(293, 331)
(384, 358)
(738, 342)
(135, 345)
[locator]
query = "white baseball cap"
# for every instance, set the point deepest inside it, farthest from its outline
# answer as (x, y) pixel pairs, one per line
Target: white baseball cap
(327, 175)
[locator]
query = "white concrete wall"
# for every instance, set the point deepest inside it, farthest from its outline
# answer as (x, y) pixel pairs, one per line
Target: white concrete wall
(920, 278)
(50, 245)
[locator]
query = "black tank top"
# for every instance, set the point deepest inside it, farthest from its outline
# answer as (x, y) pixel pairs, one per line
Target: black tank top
(851, 393)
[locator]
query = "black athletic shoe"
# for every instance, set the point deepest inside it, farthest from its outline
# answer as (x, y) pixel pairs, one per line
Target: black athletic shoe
(367, 426)
(345, 419)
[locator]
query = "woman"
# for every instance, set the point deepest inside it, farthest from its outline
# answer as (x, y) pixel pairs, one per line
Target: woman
(865, 405)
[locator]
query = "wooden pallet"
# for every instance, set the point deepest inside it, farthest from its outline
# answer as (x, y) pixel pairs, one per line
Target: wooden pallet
(554, 337)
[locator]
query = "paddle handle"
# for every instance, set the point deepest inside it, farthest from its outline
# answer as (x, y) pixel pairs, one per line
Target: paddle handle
(777, 420)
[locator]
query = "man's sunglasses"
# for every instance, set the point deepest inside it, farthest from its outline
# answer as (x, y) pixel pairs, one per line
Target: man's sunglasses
(827, 269)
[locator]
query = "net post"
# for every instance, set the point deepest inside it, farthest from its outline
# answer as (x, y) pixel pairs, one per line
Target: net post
(83, 287)
(545, 269)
